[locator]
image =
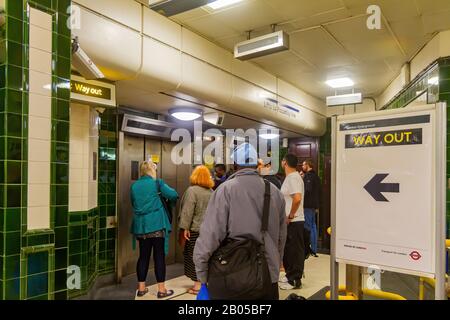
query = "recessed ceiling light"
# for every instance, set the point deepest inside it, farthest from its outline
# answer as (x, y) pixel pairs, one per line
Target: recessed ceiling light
(222, 3)
(185, 114)
(269, 136)
(340, 83)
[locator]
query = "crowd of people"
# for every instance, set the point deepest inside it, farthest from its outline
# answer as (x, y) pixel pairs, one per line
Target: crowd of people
(220, 208)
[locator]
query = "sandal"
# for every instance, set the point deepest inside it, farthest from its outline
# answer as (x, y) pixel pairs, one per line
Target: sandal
(193, 291)
(166, 294)
(142, 293)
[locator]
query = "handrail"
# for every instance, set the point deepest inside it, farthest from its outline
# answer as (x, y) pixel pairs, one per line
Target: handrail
(369, 292)
(429, 281)
(388, 295)
(348, 295)
(382, 294)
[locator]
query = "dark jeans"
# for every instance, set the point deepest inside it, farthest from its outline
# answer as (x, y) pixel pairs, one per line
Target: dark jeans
(145, 251)
(294, 251)
(310, 226)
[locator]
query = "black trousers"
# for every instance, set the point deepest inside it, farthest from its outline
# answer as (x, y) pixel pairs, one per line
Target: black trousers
(294, 251)
(159, 257)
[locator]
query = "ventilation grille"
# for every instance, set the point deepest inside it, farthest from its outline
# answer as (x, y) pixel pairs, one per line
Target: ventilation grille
(146, 126)
(257, 44)
(261, 46)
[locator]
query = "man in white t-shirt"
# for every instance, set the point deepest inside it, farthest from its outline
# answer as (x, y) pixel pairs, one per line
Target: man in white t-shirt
(294, 250)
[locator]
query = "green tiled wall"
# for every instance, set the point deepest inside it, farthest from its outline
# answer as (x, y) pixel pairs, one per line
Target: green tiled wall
(436, 92)
(83, 247)
(29, 261)
(107, 190)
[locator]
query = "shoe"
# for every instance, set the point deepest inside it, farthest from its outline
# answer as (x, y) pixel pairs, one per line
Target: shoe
(315, 255)
(166, 294)
(283, 279)
(285, 286)
(291, 285)
(142, 293)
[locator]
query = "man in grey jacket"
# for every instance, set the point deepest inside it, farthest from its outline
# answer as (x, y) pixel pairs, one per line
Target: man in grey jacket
(235, 211)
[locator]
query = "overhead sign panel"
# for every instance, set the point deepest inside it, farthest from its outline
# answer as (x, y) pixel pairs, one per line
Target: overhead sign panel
(91, 91)
(385, 191)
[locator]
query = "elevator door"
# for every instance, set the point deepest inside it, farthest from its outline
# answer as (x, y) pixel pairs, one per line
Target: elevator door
(133, 152)
(130, 157)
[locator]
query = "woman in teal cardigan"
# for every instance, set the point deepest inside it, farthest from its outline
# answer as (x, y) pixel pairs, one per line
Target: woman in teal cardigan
(151, 226)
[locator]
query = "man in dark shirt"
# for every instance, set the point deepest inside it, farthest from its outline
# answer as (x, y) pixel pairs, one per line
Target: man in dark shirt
(311, 205)
(220, 175)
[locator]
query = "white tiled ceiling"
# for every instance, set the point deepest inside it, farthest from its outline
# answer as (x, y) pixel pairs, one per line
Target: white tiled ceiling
(329, 38)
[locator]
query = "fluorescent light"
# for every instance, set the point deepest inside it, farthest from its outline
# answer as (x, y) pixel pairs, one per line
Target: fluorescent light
(222, 3)
(433, 81)
(185, 114)
(340, 83)
(269, 136)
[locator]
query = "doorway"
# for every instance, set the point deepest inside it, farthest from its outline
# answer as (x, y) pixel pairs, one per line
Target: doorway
(132, 151)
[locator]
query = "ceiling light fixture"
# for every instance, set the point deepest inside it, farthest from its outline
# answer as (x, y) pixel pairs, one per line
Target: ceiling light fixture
(185, 114)
(340, 83)
(269, 136)
(219, 4)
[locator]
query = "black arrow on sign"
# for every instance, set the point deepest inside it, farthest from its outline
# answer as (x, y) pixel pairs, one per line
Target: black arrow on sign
(374, 187)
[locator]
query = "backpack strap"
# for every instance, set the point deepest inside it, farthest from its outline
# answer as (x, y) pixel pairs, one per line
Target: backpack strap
(266, 208)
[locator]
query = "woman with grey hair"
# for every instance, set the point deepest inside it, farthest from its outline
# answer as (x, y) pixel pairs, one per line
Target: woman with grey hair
(151, 226)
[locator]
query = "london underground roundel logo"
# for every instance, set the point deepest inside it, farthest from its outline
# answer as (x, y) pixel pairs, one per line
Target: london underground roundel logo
(415, 255)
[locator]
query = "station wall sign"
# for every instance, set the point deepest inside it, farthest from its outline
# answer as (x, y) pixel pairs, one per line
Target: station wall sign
(385, 191)
(93, 92)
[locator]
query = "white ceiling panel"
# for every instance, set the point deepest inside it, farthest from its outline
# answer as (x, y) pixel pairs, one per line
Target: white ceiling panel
(437, 22)
(319, 48)
(365, 44)
(190, 15)
(344, 46)
(301, 9)
(322, 18)
(211, 29)
(250, 15)
(432, 6)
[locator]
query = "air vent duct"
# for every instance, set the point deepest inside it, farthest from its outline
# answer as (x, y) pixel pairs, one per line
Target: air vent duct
(262, 46)
(147, 127)
(344, 99)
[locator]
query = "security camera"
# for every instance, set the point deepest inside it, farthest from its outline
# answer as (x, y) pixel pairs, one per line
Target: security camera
(100, 110)
(83, 63)
(215, 118)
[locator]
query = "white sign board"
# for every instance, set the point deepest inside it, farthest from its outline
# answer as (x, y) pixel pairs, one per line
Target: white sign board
(385, 191)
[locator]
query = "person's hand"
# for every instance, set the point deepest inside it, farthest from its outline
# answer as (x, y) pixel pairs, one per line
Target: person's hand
(187, 235)
(288, 220)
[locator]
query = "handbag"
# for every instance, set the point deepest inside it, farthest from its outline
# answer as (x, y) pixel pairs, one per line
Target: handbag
(238, 269)
(166, 202)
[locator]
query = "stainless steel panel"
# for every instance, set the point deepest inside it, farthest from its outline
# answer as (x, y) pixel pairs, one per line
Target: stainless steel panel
(131, 149)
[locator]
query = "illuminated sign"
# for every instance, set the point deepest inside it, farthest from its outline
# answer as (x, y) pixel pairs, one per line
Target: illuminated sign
(90, 90)
(384, 139)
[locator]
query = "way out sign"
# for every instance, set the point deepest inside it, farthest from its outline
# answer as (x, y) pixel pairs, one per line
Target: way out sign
(385, 190)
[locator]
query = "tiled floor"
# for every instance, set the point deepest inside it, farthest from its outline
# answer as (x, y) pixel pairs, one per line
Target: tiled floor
(317, 276)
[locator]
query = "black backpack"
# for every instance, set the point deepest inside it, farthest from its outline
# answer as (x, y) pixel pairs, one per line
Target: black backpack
(238, 270)
(167, 205)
